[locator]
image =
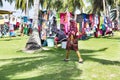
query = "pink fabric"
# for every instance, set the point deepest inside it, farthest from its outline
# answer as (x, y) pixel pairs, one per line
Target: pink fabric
(64, 19)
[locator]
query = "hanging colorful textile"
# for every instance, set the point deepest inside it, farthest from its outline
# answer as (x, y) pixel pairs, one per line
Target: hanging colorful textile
(58, 20)
(25, 19)
(79, 20)
(64, 19)
(91, 18)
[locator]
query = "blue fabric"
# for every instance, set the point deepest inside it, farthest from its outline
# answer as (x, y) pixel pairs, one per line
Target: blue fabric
(85, 17)
(12, 33)
(25, 19)
(44, 43)
(103, 27)
(105, 20)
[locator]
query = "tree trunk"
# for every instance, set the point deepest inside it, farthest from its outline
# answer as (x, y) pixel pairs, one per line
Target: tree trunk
(117, 12)
(104, 7)
(27, 9)
(34, 42)
(117, 18)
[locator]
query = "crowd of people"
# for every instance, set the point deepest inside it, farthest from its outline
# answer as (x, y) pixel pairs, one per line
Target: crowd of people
(16, 27)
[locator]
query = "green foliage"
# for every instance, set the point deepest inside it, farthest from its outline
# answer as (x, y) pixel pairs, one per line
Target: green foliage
(21, 4)
(58, 5)
(97, 5)
(10, 1)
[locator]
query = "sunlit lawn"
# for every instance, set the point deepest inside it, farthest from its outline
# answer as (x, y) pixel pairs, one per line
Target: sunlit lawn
(101, 61)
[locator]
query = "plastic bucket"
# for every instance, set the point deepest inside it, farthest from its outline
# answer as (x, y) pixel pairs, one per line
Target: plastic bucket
(50, 42)
(63, 44)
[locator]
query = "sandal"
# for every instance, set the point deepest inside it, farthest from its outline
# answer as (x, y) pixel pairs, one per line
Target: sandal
(80, 61)
(66, 59)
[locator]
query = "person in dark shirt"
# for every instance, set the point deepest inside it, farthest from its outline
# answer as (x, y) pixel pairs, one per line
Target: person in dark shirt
(60, 36)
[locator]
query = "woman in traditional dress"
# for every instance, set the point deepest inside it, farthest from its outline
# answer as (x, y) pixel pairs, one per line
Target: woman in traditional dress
(72, 41)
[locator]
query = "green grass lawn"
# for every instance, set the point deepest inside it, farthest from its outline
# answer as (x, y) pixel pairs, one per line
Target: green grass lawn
(101, 61)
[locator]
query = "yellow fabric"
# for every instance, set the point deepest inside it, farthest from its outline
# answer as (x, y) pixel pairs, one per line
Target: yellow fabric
(1, 19)
(78, 26)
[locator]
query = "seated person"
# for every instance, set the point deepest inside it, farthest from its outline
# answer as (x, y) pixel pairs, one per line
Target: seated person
(60, 36)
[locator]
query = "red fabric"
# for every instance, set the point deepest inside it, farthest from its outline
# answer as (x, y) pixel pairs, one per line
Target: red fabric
(11, 30)
(72, 44)
(56, 39)
(64, 19)
(99, 22)
(73, 26)
(17, 23)
(91, 17)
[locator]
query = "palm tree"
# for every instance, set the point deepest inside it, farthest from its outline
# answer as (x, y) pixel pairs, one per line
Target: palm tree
(57, 5)
(99, 5)
(115, 10)
(72, 4)
(1, 3)
(24, 5)
(34, 42)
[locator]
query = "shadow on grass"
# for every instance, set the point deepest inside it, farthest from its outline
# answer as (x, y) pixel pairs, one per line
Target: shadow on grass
(101, 61)
(111, 37)
(90, 57)
(116, 38)
(61, 53)
(49, 64)
(107, 37)
(64, 74)
(10, 39)
(56, 68)
(92, 51)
